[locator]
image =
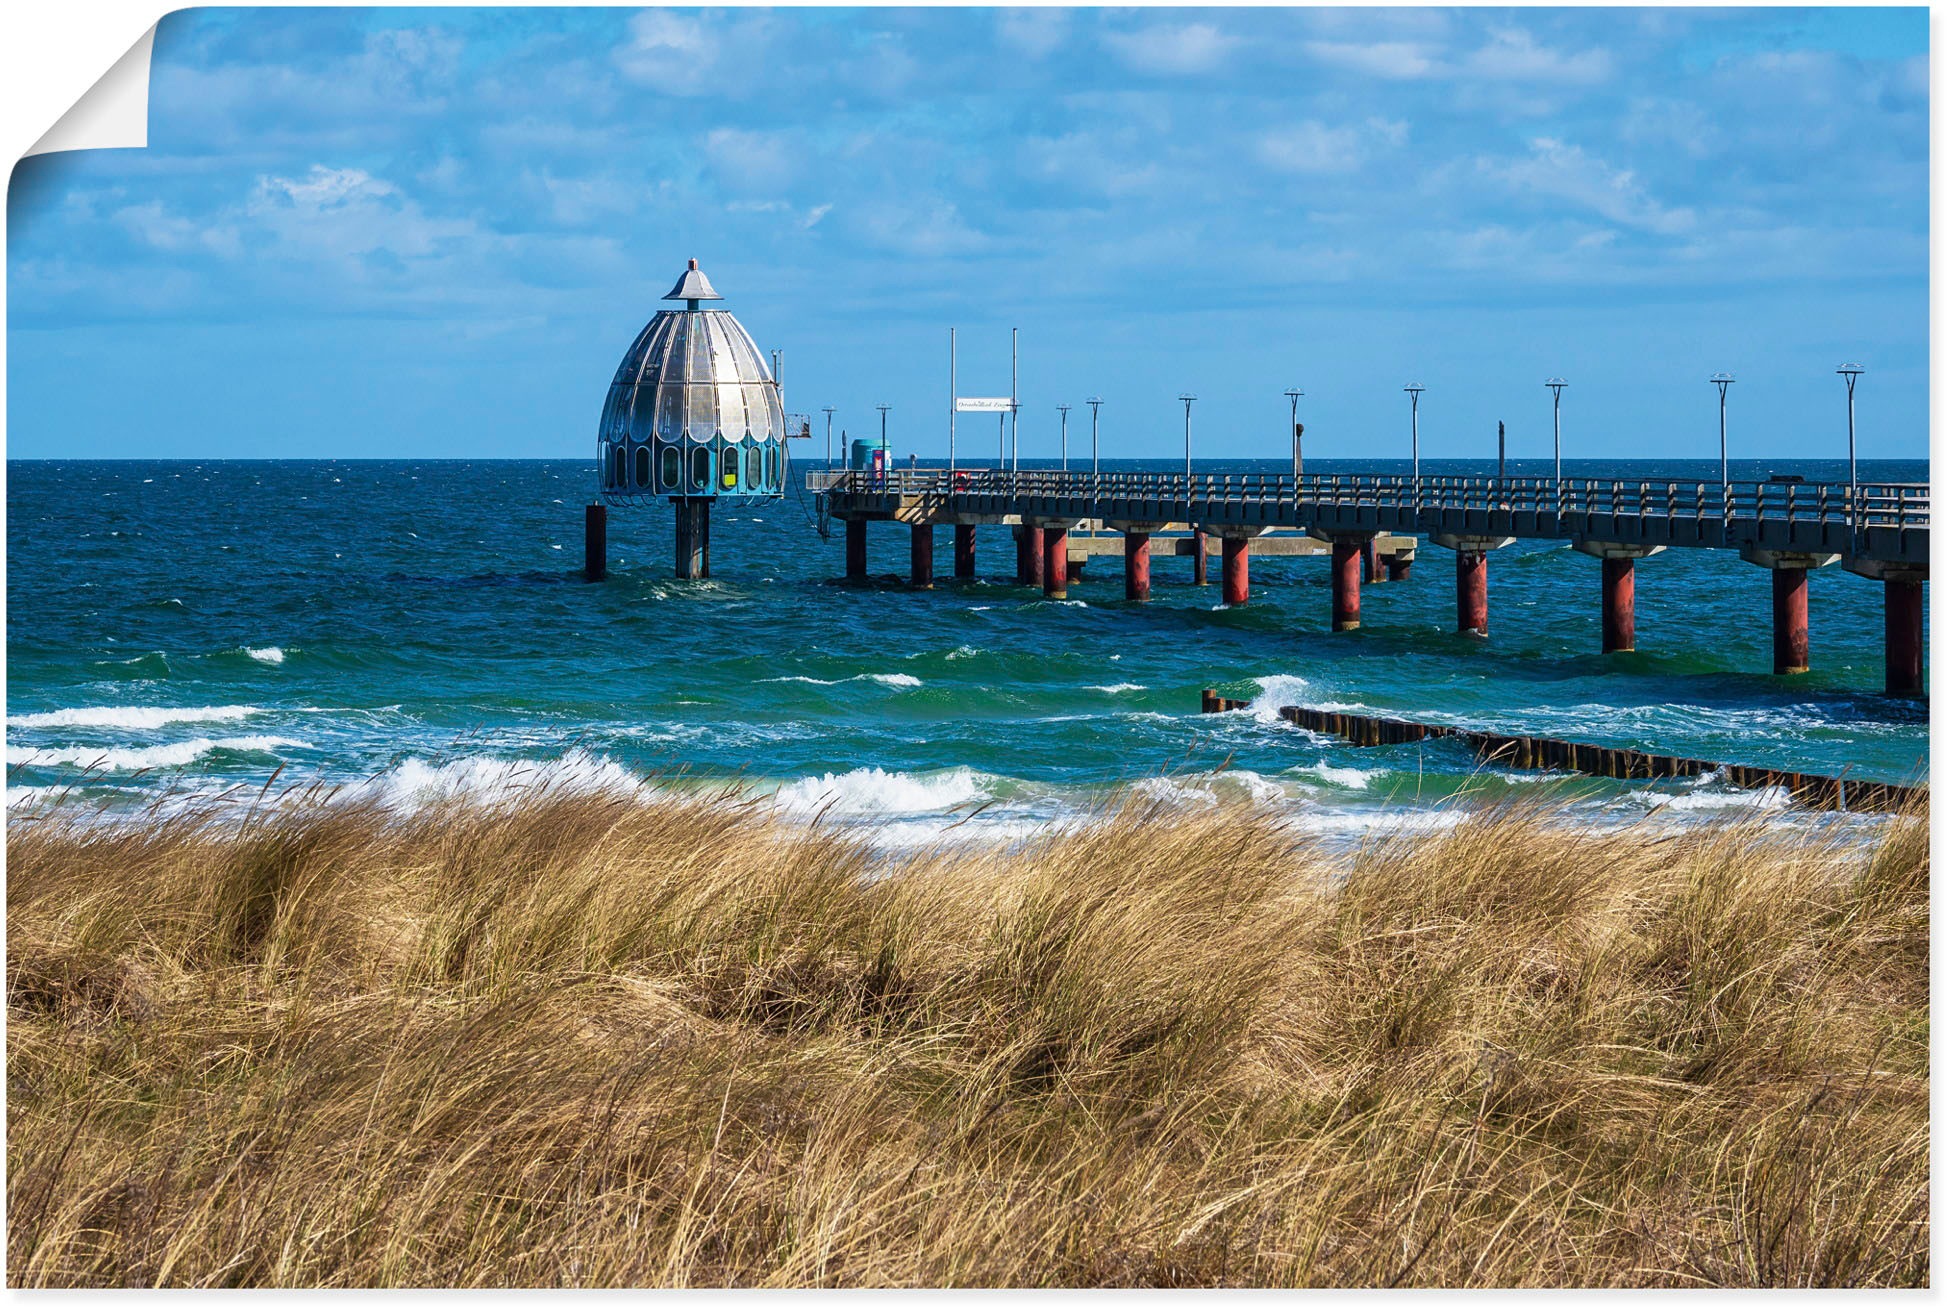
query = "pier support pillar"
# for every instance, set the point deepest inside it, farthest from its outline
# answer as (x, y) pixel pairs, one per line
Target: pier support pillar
(692, 537)
(963, 551)
(594, 553)
(854, 548)
(1237, 571)
(1200, 558)
(1369, 562)
(1345, 586)
(1791, 628)
(1906, 645)
(1618, 604)
(1054, 563)
(1470, 591)
(922, 555)
(1399, 567)
(1027, 555)
(1791, 622)
(1135, 566)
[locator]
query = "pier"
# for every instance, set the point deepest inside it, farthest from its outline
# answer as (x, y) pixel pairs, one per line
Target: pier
(1371, 526)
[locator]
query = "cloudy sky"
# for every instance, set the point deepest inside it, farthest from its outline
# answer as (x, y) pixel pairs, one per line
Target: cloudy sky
(434, 232)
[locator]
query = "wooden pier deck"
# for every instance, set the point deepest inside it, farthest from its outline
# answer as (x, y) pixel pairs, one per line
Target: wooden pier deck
(1877, 530)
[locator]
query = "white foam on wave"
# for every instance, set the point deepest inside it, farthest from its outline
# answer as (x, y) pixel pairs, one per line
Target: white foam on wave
(130, 717)
(122, 759)
(962, 652)
(888, 680)
(1276, 690)
(1211, 789)
(1117, 687)
(416, 782)
(268, 655)
(871, 791)
(1754, 799)
(1341, 776)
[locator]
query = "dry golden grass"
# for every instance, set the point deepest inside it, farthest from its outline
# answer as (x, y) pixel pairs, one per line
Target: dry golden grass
(582, 1041)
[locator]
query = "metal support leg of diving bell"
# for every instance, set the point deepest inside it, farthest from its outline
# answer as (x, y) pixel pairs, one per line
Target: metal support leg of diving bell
(1237, 571)
(1791, 626)
(1618, 605)
(1470, 588)
(1200, 569)
(922, 555)
(854, 548)
(963, 551)
(1906, 645)
(692, 537)
(1135, 566)
(594, 555)
(1054, 563)
(1345, 586)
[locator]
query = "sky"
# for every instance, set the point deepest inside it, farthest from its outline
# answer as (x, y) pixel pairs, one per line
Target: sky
(433, 233)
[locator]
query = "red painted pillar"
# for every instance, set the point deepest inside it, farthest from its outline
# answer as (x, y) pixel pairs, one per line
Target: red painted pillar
(1791, 627)
(1470, 586)
(1200, 568)
(1054, 563)
(1618, 605)
(963, 551)
(854, 548)
(1027, 556)
(1237, 571)
(922, 555)
(1906, 646)
(1369, 561)
(1398, 567)
(1345, 586)
(594, 544)
(1135, 566)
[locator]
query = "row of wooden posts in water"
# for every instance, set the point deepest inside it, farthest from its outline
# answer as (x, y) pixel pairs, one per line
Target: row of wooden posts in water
(1817, 791)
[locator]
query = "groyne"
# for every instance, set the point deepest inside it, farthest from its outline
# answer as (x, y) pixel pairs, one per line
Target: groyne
(1521, 752)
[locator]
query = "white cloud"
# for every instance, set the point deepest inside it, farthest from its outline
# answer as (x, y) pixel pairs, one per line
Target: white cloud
(1510, 54)
(345, 213)
(752, 161)
(1313, 147)
(1034, 32)
(679, 55)
(1569, 173)
(1399, 60)
(172, 232)
(1190, 48)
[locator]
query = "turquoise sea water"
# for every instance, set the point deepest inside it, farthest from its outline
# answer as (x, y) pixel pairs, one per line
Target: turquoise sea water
(420, 627)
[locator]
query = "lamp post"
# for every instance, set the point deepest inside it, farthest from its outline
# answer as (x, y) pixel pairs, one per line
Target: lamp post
(1064, 436)
(952, 395)
(828, 436)
(1723, 382)
(1095, 435)
(1297, 449)
(1414, 390)
(1186, 398)
(1556, 385)
(1850, 372)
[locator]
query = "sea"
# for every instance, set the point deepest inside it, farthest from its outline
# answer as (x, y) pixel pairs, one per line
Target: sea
(413, 630)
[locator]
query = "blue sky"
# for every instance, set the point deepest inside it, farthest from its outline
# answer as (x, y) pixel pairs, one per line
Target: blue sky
(434, 232)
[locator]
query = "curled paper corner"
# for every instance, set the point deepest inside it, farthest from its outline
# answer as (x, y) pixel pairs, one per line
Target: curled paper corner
(112, 113)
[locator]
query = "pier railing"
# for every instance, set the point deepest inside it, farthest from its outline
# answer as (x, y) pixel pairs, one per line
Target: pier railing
(1898, 506)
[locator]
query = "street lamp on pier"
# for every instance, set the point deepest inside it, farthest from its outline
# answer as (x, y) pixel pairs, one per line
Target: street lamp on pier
(1095, 435)
(828, 436)
(1556, 385)
(1186, 398)
(1723, 382)
(1064, 435)
(1297, 446)
(1850, 372)
(1414, 390)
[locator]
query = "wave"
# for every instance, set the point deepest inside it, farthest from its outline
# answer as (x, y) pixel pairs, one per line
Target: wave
(889, 680)
(417, 782)
(1117, 687)
(124, 759)
(1342, 776)
(1276, 690)
(268, 655)
(871, 791)
(130, 717)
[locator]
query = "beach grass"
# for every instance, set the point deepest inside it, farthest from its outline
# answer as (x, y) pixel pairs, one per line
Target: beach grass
(679, 1039)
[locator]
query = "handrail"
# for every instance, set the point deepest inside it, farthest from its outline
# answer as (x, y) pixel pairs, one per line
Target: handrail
(1876, 504)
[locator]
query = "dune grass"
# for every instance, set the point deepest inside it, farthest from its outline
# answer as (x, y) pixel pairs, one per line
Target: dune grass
(678, 1040)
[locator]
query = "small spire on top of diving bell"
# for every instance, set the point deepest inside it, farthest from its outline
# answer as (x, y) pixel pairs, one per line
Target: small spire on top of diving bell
(692, 287)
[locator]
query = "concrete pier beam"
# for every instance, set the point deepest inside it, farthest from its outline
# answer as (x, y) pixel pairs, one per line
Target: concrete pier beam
(594, 552)
(1054, 562)
(693, 537)
(922, 555)
(1345, 586)
(854, 548)
(963, 551)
